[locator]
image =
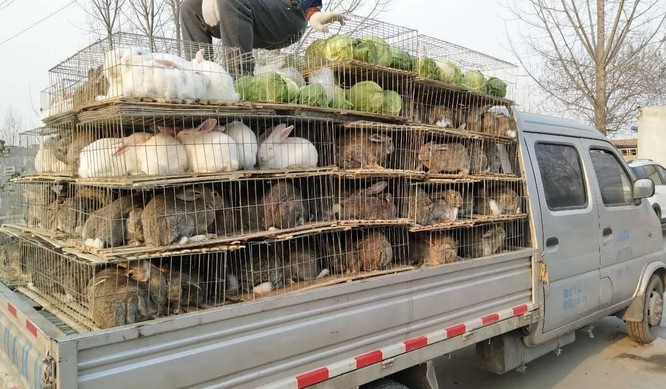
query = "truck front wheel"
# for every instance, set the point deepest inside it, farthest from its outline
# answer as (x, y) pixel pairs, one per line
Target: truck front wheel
(645, 331)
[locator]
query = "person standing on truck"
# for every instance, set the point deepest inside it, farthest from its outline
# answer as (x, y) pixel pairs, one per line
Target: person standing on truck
(253, 24)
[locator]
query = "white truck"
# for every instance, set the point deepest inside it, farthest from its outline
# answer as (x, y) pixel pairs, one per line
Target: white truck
(594, 249)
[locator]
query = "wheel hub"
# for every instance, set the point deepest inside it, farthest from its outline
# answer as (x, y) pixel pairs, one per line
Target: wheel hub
(655, 308)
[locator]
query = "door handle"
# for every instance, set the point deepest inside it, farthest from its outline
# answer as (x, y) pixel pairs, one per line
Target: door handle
(608, 231)
(552, 241)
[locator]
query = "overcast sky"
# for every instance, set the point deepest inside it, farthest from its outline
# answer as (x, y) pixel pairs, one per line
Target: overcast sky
(27, 58)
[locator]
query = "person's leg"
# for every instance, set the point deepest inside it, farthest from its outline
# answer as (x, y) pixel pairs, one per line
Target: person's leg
(195, 30)
(275, 24)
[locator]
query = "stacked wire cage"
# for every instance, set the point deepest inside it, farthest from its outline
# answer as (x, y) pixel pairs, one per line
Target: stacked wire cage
(180, 176)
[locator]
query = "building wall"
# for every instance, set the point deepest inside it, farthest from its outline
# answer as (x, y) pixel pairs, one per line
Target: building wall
(652, 134)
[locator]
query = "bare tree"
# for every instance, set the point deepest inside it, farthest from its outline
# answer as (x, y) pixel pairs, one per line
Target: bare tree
(146, 17)
(594, 57)
(174, 13)
(105, 16)
(12, 125)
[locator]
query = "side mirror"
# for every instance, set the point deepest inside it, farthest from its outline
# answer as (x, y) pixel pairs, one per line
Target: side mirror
(643, 188)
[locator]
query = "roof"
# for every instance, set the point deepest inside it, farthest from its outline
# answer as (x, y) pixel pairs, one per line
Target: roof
(621, 143)
(550, 125)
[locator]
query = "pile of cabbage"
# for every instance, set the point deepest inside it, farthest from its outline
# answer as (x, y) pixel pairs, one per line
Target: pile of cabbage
(370, 49)
(449, 73)
(274, 87)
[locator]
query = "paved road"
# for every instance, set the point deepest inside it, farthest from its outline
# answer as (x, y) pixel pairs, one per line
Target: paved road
(610, 360)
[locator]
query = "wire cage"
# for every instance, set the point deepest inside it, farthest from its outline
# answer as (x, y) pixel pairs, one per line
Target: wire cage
(142, 68)
(13, 271)
(449, 153)
(89, 295)
(494, 199)
(55, 101)
(495, 157)
(370, 200)
(365, 147)
(144, 144)
(372, 251)
(189, 215)
(443, 97)
(440, 204)
(441, 247)
(34, 203)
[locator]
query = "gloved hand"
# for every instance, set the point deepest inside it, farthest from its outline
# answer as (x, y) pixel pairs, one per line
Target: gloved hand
(210, 12)
(319, 20)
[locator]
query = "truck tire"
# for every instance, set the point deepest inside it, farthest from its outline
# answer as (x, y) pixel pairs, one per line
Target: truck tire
(653, 305)
(385, 384)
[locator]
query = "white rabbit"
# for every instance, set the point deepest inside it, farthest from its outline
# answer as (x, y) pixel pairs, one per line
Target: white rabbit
(326, 78)
(181, 79)
(209, 150)
(111, 157)
(46, 161)
(115, 65)
(220, 85)
(246, 140)
(279, 151)
(162, 154)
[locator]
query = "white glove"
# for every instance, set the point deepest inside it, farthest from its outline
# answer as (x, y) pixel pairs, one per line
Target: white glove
(319, 20)
(210, 12)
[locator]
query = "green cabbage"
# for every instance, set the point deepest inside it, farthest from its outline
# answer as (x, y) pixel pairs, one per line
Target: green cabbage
(449, 73)
(340, 100)
(401, 59)
(474, 80)
(245, 88)
(313, 95)
(292, 91)
(270, 87)
(427, 68)
(392, 104)
(495, 87)
(339, 48)
(316, 49)
(367, 96)
(373, 50)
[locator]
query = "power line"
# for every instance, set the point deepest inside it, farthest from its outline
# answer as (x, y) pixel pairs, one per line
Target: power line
(5, 4)
(38, 22)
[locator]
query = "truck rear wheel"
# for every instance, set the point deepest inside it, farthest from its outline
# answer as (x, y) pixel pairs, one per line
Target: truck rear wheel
(653, 306)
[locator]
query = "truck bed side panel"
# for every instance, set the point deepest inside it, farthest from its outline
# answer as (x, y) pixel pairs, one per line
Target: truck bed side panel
(253, 344)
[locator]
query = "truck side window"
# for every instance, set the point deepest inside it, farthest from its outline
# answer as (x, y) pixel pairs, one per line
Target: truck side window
(613, 181)
(662, 173)
(562, 176)
(653, 174)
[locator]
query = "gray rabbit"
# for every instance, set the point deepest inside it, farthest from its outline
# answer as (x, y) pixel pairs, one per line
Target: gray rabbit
(284, 207)
(263, 272)
(180, 218)
(368, 204)
(110, 226)
(304, 265)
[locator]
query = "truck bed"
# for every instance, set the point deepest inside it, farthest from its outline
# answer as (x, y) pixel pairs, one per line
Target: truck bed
(300, 338)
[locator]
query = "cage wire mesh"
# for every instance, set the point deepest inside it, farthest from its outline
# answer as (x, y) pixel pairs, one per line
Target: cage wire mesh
(140, 144)
(200, 213)
(13, 270)
(442, 98)
(446, 154)
(34, 203)
(372, 250)
(499, 199)
(370, 200)
(141, 67)
(436, 205)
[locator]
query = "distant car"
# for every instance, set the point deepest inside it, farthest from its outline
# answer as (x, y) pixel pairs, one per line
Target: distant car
(647, 168)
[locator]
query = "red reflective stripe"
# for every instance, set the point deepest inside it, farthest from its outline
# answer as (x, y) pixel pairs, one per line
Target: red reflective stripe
(11, 309)
(517, 311)
(368, 359)
(416, 343)
(313, 377)
(455, 330)
(31, 327)
(490, 319)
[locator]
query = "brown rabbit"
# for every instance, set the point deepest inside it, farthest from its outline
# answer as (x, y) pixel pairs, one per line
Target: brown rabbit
(451, 158)
(370, 251)
(432, 250)
(184, 289)
(108, 226)
(486, 242)
(446, 207)
(368, 204)
(478, 160)
(503, 201)
(96, 85)
(362, 151)
(284, 207)
(304, 265)
(177, 218)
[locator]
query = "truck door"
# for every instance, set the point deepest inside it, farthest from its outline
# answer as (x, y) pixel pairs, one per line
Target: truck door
(570, 225)
(626, 228)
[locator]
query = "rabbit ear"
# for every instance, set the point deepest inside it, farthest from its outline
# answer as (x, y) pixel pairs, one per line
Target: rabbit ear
(189, 195)
(199, 56)
(172, 131)
(121, 150)
(377, 138)
(208, 125)
(166, 63)
(488, 234)
(440, 147)
(376, 188)
(281, 132)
